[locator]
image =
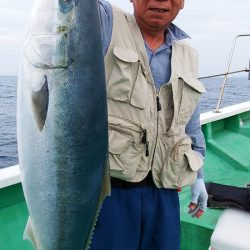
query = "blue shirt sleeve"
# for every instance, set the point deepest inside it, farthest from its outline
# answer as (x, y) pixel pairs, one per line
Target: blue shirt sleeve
(106, 15)
(193, 129)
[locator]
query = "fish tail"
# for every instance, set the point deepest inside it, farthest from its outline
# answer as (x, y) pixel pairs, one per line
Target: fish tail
(29, 234)
(105, 191)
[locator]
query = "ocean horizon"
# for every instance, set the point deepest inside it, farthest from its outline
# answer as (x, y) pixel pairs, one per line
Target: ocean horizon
(236, 91)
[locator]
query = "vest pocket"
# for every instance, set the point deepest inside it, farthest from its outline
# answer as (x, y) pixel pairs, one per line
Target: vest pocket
(125, 147)
(191, 92)
(127, 82)
(180, 168)
(188, 171)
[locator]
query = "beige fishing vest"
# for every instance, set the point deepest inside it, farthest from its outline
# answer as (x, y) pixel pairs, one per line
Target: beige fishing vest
(140, 138)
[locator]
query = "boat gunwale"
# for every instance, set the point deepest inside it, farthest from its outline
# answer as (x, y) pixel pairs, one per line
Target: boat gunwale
(226, 112)
(9, 176)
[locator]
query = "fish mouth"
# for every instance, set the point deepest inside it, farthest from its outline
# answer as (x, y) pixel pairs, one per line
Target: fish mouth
(158, 10)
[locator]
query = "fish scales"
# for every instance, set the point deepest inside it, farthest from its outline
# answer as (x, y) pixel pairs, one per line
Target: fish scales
(62, 124)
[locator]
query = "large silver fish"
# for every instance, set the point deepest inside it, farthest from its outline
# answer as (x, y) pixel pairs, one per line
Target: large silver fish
(62, 124)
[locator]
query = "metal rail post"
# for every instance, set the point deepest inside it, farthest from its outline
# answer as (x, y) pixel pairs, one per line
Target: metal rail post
(217, 110)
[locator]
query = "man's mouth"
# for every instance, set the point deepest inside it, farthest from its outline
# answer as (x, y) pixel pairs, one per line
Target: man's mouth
(158, 10)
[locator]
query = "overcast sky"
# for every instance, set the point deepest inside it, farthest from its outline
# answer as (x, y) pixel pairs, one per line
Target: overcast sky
(212, 24)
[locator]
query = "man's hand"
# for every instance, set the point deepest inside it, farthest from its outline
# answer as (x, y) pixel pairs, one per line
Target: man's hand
(198, 203)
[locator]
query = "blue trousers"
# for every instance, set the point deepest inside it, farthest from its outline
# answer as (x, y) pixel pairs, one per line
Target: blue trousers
(138, 218)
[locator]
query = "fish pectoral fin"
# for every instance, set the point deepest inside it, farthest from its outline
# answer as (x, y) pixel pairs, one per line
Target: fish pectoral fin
(40, 103)
(29, 234)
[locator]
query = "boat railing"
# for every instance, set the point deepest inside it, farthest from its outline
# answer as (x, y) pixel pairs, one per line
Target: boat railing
(227, 72)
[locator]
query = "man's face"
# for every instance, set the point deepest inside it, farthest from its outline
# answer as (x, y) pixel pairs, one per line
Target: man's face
(156, 14)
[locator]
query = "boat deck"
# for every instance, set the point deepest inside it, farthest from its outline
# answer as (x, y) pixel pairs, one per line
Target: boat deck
(13, 218)
(227, 162)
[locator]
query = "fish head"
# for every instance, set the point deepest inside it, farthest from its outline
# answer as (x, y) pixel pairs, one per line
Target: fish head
(51, 38)
(48, 51)
(48, 16)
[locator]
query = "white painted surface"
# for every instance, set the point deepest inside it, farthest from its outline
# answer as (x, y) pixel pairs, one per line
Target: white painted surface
(225, 112)
(232, 231)
(9, 176)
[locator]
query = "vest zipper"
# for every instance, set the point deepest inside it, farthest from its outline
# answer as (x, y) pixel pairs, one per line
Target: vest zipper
(158, 108)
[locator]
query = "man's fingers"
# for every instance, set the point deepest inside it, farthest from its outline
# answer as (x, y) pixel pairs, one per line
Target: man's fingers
(192, 205)
(194, 210)
(199, 213)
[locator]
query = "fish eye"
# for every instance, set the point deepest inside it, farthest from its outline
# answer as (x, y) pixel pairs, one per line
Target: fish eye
(66, 6)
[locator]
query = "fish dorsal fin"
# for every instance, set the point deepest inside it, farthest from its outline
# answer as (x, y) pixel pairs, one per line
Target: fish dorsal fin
(40, 103)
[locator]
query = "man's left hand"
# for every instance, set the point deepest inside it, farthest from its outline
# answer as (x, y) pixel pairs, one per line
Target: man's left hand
(198, 203)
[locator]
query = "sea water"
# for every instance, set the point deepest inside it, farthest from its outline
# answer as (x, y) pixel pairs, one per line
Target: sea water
(237, 90)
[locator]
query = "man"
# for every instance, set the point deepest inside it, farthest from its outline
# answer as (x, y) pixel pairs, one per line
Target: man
(155, 140)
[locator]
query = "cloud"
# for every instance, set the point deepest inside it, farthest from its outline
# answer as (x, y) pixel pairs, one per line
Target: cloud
(12, 26)
(212, 24)
(12, 20)
(123, 4)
